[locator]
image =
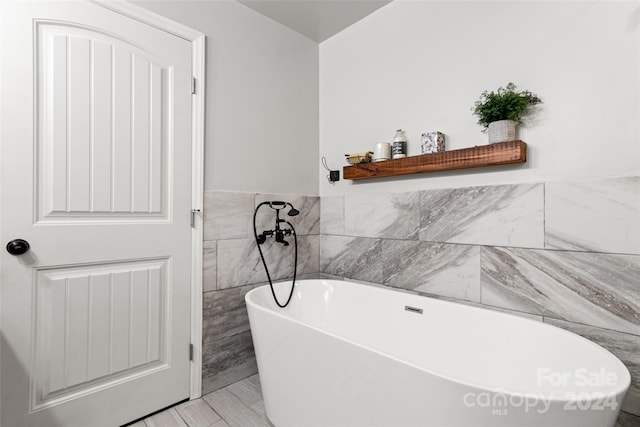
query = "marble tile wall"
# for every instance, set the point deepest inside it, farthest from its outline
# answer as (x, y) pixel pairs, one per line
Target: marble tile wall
(502, 215)
(567, 253)
(598, 216)
(232, 267)
(451, 270)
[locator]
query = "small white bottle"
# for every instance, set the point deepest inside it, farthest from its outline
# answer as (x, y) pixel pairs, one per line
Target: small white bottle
(399, 148)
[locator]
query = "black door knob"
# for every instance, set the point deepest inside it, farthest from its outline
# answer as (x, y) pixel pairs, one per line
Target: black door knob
(17, 247)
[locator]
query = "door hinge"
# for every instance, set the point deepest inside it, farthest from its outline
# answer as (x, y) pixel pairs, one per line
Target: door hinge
(191, 352)
(193, 85)
(194, 212)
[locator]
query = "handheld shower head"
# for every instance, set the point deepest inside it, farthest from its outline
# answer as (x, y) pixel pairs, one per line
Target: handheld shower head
(293, 211)
(278, 205)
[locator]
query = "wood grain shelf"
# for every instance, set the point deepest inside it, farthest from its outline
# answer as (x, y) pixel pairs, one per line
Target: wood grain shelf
(501, 153)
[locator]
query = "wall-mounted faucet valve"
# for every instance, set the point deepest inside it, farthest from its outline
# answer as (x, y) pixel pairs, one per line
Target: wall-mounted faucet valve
(277, 232)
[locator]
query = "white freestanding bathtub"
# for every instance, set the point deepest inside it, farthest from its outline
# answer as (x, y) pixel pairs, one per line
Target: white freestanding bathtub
(344, 354)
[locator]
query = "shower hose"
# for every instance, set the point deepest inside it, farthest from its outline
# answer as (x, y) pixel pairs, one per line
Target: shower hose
(266, 268)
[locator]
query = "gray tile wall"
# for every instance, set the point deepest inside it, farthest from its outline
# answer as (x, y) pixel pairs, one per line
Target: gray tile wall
(567, 253)
(232, 267)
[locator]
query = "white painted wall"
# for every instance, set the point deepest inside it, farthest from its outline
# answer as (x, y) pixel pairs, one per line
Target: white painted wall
(262, 98)
(420, 66)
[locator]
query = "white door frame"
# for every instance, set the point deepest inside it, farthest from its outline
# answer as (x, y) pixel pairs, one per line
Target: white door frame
(197, 40)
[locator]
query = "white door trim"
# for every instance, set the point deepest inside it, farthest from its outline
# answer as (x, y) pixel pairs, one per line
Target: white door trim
(197, 40)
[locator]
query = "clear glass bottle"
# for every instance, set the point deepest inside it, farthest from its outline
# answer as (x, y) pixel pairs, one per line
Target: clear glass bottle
(399, 148)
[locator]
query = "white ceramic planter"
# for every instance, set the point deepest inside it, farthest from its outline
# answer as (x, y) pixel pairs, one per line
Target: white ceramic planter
(502, 131)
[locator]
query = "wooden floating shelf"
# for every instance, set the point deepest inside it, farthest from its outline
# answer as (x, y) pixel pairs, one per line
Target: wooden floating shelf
(501, 153)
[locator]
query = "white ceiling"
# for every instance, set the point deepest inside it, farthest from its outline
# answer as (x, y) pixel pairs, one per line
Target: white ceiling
(316, 19)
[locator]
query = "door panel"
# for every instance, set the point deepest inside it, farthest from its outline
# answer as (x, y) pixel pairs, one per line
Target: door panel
(103, 106)
(98, 324)
(95, 172)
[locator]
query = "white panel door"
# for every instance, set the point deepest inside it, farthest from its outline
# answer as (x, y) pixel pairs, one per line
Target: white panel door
(95, 140)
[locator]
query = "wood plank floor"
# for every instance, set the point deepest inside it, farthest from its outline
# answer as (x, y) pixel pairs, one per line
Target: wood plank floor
(237, 405)
(241, 405)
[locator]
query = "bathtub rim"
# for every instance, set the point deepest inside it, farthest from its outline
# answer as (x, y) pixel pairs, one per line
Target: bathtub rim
(475, 385)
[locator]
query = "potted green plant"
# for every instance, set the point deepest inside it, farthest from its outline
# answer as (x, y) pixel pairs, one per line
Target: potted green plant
(499, 112)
